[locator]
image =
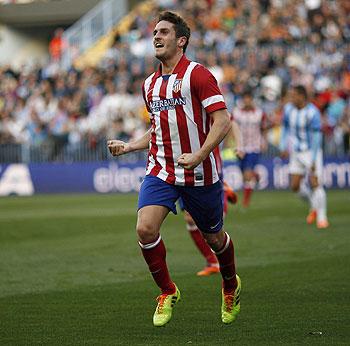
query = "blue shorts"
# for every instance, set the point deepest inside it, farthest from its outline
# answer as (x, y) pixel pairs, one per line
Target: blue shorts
(249, 161)
(204, 203)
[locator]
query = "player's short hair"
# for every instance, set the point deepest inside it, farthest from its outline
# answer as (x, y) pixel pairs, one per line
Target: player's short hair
(301, 90)
(181, 27)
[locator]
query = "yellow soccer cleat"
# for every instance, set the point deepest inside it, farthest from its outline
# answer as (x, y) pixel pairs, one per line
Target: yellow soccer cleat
(164, 309)
(231, 306)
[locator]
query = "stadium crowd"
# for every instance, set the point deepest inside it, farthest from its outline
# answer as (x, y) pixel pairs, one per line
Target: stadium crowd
(266, 45)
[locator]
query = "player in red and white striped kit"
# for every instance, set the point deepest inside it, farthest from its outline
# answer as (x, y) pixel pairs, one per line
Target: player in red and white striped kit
(252, 124)
(188, 120)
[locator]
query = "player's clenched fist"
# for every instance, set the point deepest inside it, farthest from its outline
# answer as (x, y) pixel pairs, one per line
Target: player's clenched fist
(189, 161)
(117, 147)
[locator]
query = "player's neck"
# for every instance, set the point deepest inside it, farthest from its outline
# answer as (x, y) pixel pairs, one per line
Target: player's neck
(301, 105)
(168, 66)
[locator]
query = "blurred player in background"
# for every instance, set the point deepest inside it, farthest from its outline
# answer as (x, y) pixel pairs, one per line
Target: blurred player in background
(301, 136)
(252, 124)
(188, 120)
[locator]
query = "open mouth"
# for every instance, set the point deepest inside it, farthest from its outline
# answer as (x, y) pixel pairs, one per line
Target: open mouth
(159, 45)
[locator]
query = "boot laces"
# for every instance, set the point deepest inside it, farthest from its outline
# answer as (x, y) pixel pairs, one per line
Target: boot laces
(229, 300)
(161, 300)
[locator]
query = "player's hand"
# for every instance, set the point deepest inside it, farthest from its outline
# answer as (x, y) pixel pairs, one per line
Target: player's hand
(189, 161)
(264, 146)
(239, 153)
(284, 154)
(117, 147)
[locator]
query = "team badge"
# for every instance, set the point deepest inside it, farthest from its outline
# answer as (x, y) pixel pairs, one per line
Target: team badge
(177, 85)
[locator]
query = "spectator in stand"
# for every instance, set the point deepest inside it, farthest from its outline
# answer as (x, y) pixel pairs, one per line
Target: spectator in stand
(56, 45)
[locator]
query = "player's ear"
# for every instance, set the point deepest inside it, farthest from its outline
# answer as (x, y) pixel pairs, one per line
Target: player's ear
(181, 41)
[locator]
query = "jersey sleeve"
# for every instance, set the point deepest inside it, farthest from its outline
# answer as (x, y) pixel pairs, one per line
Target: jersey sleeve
(315, 122)
(206, 89)
(285, 116)
(285, 128)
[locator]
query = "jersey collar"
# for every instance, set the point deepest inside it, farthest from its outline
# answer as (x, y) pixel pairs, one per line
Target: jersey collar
(183, 63)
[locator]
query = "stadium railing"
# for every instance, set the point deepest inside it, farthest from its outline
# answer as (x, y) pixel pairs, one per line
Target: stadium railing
(87, 30)
(53, 152)
(87, 152)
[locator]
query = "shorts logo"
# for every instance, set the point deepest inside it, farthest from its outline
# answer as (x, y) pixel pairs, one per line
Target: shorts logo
(212, 227)
(177, 85)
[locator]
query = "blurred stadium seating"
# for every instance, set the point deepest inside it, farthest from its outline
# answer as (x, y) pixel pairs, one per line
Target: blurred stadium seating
(52, 114)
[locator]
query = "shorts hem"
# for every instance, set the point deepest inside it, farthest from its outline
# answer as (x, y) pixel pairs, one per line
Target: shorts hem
(173, 210)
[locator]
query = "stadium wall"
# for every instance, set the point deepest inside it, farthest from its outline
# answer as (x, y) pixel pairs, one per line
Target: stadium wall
(114, 177)
(18, 47)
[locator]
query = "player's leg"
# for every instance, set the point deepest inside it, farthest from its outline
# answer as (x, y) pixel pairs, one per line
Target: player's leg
(319, 194)
(249, 183)
(149, 220)
(209, 219)
(222, 245)
(229, 195)
(298, 170)
(295, 181)
(305, 190)
(156, 198)
(212, 265)
(249, 176)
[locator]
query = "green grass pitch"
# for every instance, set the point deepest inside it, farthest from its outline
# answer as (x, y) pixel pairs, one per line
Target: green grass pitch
(71, 273)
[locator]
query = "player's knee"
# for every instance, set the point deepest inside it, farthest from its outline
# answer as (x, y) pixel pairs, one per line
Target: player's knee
(295, 187)
(188, 219)
(248, 176)
(215, 241)
(146, 232)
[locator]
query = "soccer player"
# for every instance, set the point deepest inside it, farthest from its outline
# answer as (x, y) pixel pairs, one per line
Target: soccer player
(188, 120)
(252, 124)
(301, 132)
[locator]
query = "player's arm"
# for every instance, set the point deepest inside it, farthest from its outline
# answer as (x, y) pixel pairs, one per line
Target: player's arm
(117, 147)
(220, 127)
(236, 132)
(316, 138)
(284, 136)
(315, 145)
(235, 135)
(266, 125)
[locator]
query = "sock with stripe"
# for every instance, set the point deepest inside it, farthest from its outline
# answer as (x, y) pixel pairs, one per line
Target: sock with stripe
(226, 258)
(320, 203)
(202, 245)
(248, 188)
(154, 254)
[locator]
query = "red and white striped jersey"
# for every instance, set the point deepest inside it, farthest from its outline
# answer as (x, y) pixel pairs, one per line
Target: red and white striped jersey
(250, 123)
(179, 105)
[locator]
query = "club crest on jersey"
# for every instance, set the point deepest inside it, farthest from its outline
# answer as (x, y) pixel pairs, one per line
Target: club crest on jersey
(177, 85)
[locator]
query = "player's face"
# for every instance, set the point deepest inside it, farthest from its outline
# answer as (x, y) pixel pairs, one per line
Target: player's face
(248, 101)
(164, 40)
(296, 98)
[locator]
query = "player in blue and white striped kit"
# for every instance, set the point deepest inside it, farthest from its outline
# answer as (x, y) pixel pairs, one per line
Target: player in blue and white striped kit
(302, 138)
